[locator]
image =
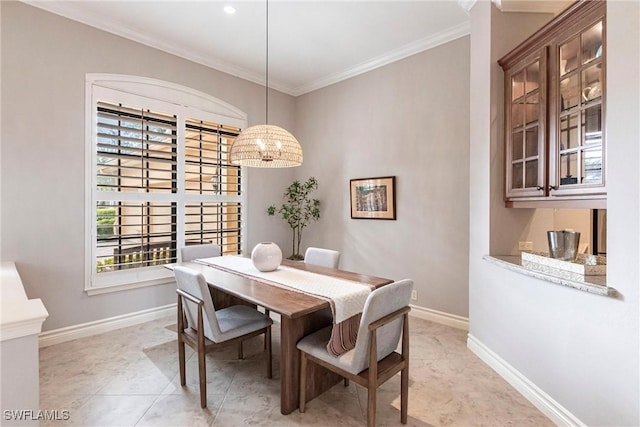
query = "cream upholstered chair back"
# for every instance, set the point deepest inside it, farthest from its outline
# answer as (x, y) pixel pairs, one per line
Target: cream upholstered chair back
(189, 253)
(194, 283)
(322, 257)
(381, 302)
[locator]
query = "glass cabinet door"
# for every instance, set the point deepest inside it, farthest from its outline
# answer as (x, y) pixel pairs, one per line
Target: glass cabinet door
(580, 139)
(525, 126)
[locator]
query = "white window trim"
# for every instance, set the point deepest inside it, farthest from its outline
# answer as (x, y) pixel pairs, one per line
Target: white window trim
(189, 103)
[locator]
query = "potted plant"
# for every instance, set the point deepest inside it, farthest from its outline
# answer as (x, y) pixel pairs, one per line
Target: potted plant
(298, 210)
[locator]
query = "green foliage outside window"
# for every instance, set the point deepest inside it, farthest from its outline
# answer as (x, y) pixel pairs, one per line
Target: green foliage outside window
(105, 220)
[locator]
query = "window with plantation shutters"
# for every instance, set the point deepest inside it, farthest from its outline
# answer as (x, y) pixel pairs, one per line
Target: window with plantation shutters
(136, 154)
(208, 171)
(161, 180)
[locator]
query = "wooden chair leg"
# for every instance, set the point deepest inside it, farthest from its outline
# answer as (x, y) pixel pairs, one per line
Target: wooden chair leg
(202, 368)
(240, 354)
(346, 382)
(267, 343)
(404, 394)
(266, 312)
(372, 380)
(181, 360)
(371, 406)
(180, 324)
(404, 375)
(303, 382)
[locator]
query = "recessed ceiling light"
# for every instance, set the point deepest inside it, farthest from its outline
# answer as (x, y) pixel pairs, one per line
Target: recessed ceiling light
(230, 10)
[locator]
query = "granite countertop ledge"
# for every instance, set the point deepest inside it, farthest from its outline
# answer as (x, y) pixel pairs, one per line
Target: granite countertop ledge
(592, 284)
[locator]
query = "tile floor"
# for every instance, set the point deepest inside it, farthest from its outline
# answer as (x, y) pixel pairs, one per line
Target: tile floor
(129, 377)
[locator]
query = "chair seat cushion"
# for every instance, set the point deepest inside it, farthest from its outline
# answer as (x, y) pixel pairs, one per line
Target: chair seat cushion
(315, 345)
(238, 320)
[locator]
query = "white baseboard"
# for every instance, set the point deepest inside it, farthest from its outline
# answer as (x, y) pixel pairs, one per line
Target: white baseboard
(441, 317)
(541, 400)
(82, 330)
(69, 333)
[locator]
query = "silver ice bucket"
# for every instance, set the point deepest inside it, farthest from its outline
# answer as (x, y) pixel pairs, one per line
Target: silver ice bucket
(563, 244)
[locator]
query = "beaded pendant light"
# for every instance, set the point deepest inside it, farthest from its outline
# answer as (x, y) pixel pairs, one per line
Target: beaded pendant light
(266, 146)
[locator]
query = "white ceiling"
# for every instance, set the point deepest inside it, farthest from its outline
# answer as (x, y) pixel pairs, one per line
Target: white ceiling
(312, 44)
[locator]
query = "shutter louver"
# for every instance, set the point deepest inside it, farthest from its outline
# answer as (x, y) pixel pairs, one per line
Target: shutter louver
(136, 150)
(208, 170)
(210, 222)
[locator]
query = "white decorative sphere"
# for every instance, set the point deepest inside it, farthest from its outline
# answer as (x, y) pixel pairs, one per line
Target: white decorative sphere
(266, 256)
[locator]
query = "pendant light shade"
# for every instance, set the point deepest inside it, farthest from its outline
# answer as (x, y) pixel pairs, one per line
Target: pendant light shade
(266, 146)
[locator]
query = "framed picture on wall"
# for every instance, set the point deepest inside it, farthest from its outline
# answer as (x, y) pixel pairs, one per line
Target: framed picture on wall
(373, 198)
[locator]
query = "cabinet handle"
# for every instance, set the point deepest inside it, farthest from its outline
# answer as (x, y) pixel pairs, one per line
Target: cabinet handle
(539, 188)
(553, 187)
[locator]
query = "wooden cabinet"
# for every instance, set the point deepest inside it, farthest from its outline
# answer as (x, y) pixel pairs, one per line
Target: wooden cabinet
(555, 113)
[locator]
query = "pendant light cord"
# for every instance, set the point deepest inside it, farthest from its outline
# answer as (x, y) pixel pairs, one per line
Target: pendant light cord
(266, 107)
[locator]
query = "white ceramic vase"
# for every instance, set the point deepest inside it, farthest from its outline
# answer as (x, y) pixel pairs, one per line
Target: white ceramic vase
(266, 256)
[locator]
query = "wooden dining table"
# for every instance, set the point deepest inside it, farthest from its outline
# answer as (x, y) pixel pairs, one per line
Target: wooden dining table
(300, 315)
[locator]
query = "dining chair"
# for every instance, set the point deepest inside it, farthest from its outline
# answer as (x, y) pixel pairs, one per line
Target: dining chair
(191, 252)
(374, 360)
(208, 250)
(208, 328)
(322, 257)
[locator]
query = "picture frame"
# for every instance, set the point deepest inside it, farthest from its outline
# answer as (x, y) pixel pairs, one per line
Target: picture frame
(373, 198)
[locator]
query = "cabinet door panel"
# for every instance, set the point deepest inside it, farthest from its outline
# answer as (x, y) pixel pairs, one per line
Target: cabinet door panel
(517, 115)
(592, 84)
(569, 132)
(569, 92)
(592, 43)
(569, 168)
(517, 146)
(569, 56)
(517, 86)
(592, 165)
(526, 89)
(581, 141)
(531, 174)
(518, 176)
(532, 76)
(592, 125)
(532, 108)
(531, 142)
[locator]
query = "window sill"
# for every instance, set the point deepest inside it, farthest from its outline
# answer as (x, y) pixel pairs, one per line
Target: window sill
(592, 284)
(127, 286)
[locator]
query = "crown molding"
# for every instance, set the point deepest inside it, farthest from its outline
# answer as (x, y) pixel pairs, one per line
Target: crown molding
(66, 10)
(405, 51)
(467, 5)
(533, 6)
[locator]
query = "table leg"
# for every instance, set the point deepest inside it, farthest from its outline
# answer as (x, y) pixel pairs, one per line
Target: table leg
(318, 378)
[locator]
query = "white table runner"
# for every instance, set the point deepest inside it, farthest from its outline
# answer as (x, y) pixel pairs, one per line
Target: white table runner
(348, 297)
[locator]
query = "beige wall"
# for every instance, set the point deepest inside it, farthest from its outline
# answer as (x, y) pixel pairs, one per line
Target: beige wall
(544, 220)
(44, 61)
(582, 350)
(408, 119)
